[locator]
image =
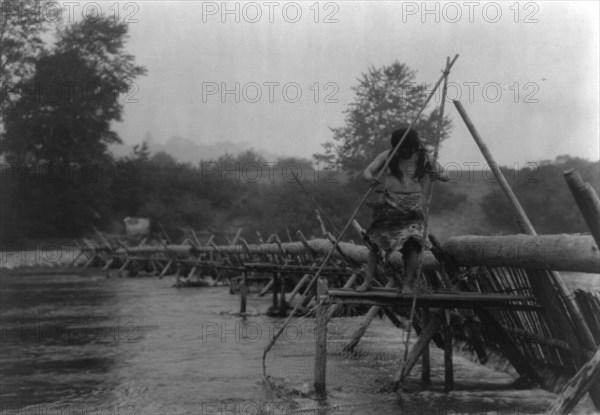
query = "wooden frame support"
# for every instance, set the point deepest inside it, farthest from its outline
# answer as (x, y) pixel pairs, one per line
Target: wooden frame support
(373, 311)
(586, 379)
(416, 352)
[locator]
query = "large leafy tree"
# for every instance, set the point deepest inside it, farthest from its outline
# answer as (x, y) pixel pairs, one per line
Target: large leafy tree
(22, 24)
(385, 98)
(64, 114)
(57, 127)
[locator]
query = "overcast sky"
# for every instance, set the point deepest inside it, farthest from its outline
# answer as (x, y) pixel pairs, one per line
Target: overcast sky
(528, 73)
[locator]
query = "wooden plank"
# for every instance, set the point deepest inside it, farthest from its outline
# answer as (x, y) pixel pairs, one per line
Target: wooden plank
(586, 378)
(435, 304)
(458, 297)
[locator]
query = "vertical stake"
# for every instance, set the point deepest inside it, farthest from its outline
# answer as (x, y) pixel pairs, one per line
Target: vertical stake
(321, 341)
(243, 292)
(425, 362)
(448, 367)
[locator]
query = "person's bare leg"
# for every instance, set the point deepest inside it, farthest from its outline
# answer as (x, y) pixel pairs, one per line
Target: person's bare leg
(411, 262)
(369, 273)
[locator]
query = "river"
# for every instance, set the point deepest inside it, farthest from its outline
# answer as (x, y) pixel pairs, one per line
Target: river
(85, 344)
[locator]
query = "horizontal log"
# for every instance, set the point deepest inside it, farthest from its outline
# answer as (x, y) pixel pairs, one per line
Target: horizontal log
(358, 253)
(562, 252)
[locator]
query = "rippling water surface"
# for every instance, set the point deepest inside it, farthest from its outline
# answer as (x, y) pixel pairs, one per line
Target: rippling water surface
(85, 340)
(86, 344)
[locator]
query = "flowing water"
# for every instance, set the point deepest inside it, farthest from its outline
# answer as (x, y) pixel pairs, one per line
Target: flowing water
(129, 344)
(84, 344)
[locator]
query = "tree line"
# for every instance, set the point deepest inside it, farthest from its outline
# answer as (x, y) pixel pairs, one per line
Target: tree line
(176, 195)
(59, 180)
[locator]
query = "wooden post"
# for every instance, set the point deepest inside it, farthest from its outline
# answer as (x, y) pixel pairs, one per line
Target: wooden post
(587, 200)
(334, 308)
(267, 288)
(81, 250)
(373, 311)
(166, 268)
(192, 272)
(282, 302)
(296, 289)
(275, 292)
(108, 264)
(578, 321)
(178, 276)
(425, 361)
(574, 389)
(417, 350)
(243, 293)
(124, 265)
(237, 236)
(448, 366)
(165, 233)
(320, 371)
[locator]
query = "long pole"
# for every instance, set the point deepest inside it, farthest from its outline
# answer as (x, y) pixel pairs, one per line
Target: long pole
(354, 213)
(587, 200)
(429, 193)
(569, 301)
(317, 204)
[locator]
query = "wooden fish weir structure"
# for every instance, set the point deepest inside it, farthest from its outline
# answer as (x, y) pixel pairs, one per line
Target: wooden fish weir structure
(490, 292)
(495, 293)
(489, 285)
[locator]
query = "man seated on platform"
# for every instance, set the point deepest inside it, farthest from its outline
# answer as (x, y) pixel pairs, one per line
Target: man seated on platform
(398, 216)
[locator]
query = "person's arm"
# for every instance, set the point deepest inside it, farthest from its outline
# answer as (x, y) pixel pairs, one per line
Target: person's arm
(435, 171)
(372, 169)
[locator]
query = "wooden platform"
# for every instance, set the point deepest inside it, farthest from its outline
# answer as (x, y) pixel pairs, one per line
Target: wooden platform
(454, 299)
